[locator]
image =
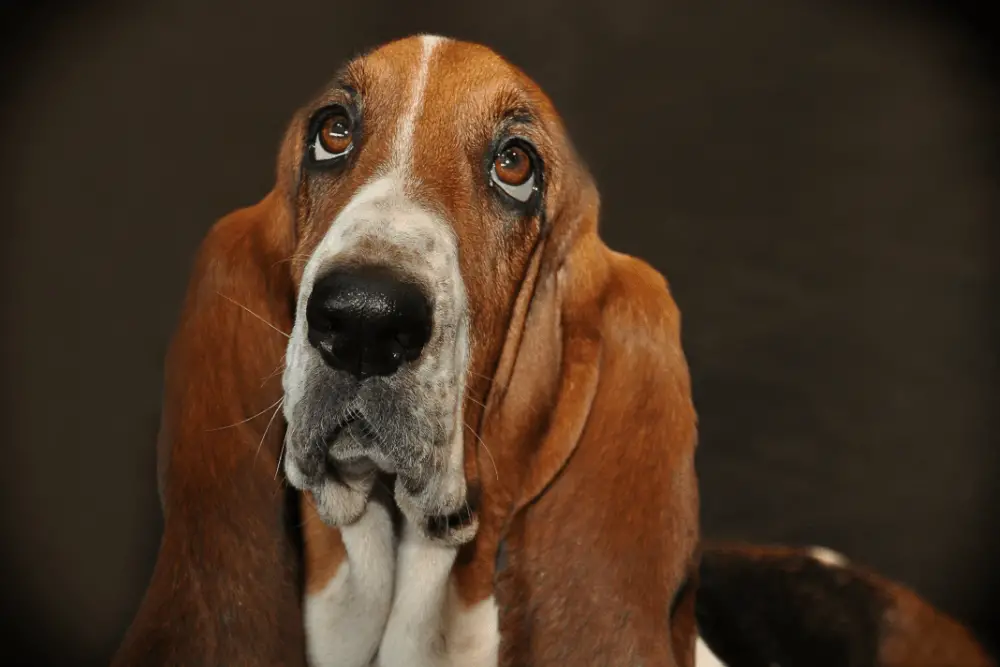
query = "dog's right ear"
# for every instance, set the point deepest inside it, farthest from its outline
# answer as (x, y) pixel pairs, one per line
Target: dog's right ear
(226, 586)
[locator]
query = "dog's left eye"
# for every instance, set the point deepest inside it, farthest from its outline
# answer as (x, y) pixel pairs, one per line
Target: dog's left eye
(334, 138)
(513, 171)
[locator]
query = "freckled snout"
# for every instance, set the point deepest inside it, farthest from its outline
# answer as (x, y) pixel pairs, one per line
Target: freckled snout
(368, 321)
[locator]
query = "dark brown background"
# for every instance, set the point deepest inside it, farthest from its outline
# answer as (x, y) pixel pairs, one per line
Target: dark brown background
(817, 179)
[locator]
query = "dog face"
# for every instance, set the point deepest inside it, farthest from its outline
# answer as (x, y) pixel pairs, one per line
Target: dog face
(422, 181)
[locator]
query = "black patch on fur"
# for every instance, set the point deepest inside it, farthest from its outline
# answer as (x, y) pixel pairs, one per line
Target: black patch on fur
(790, 611)
(441, 525)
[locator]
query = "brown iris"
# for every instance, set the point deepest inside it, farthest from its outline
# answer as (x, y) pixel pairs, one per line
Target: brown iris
(335, 133)
(512, 165)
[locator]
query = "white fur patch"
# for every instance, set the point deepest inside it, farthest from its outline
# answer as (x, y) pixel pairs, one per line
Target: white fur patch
(399, 601)
(703, 656)
(345, 621)
(828, 557)
(429, 626)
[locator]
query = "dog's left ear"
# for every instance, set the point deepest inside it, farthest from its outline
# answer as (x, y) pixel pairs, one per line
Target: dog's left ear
(597, 401)
(226, 586)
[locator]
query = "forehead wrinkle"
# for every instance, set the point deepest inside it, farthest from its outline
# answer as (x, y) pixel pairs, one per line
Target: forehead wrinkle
(349, 84)
(470, 74)
(512, 104)
(356, 75)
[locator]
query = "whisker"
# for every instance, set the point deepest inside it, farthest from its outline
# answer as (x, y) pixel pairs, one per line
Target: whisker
(237, 303)
(467, 507)
(250, 418)
(268, 428)
(479, 375)
(281, 453)
(279, 487)
(468, 397)
(279, 369)
(372, 431)
(304, 259)
(315, 513)
(350, 432)
(488, 452)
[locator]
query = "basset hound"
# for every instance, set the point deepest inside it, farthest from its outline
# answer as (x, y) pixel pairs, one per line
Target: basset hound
(416, 413)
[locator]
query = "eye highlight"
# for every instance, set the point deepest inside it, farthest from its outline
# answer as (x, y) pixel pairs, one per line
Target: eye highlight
(513, 171)
(334, 137)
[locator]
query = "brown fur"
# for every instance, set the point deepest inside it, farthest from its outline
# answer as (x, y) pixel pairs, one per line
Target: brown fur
(588, 480)
(225, 586)
(915, 634)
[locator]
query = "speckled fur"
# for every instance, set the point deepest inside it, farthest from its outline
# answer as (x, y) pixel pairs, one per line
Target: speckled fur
(412, 419)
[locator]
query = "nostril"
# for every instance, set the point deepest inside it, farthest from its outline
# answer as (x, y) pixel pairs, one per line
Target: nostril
(324, 322)
(414, 330)
(407, 341)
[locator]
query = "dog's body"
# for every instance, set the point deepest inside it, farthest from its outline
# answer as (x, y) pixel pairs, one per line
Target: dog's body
(813, 607)
(486, 410)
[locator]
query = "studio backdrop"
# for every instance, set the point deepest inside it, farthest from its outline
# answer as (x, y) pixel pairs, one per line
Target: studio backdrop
(815, 178)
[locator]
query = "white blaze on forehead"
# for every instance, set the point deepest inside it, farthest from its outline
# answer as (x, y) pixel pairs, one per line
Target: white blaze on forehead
(402, 147)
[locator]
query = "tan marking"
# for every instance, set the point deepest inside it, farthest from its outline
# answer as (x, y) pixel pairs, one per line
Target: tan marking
(225, 548)
(915, 634)
(323, 546)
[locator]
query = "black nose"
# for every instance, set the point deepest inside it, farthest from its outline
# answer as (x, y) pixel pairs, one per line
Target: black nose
(367, 321)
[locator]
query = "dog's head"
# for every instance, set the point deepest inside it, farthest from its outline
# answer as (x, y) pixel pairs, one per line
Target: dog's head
(420, 182)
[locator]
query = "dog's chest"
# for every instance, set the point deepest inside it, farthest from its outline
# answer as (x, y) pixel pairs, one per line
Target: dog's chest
(393, 604)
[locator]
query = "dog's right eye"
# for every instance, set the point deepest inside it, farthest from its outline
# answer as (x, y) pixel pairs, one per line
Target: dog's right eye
(333, 137)
(513, 171)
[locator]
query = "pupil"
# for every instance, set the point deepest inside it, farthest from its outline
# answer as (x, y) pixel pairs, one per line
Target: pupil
(338, 129)
(510, 159)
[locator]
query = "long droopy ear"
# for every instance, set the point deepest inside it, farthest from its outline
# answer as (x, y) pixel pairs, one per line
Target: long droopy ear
(599, 546)
(225, 588)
